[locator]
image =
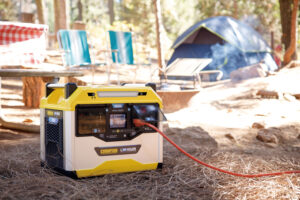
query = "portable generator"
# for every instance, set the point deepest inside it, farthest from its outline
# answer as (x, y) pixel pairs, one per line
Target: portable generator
(89, 131)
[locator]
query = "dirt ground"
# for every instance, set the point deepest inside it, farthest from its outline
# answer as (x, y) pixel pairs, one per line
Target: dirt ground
(216, 128)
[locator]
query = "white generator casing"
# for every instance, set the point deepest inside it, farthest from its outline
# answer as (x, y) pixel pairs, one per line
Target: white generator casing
(89, 131)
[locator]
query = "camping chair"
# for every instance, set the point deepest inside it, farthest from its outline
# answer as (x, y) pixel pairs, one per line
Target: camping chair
(189, 69)
(122, 51)
(75, 49)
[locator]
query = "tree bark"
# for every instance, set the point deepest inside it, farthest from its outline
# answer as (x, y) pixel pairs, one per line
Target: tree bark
(60, 15)
(40, 11)
(158, 23)
(285, 16)
(111, 11)
(79, 6)
(288, 56)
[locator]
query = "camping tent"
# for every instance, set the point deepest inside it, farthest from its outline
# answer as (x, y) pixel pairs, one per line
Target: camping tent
(230, 43)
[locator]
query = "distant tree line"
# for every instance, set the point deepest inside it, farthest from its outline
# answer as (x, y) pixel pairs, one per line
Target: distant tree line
(177, 15)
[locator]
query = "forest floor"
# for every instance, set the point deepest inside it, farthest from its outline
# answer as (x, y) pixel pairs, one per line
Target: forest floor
(217, 128)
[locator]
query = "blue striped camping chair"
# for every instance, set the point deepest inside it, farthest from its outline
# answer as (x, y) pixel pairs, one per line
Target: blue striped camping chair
(76, 49)
(75, 46)
(121, 43)
(121, 46)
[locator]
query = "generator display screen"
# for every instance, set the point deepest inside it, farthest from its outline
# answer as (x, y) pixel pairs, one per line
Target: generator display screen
(114, 122)
(91, 121)
(117, 121)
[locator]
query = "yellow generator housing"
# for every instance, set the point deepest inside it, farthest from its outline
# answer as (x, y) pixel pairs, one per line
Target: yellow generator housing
(89, 131)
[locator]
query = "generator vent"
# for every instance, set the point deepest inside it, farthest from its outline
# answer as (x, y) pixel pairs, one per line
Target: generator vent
(54, 143)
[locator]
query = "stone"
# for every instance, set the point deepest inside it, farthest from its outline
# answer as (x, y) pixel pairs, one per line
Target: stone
(297, 96)
(253, 71)
(257, 125)
(230, 137)
(268, 94)
(266, 136)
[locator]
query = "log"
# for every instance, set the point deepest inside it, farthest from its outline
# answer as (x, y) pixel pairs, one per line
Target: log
(19, 126)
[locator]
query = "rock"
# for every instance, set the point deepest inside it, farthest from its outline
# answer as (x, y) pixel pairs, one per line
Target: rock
(266, 136)
(230, 137)
(257, 125)
(268, 94)
(297, 96)
(253, 71)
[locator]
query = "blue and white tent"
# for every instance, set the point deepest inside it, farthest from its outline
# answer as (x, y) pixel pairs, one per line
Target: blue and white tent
(230, 43)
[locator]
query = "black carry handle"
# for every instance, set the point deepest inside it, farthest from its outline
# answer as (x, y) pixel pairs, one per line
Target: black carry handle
(69, 88)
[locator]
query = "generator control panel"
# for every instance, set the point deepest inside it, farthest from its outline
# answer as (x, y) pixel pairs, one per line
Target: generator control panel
(114, 122)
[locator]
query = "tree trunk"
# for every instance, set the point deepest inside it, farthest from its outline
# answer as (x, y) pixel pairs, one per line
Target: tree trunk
(40, 11)
(27, 17)
(79, 6)
(286, 18)
(158, 23)
(111, 11)
(291, 51)
(235, 6)
(60, 15)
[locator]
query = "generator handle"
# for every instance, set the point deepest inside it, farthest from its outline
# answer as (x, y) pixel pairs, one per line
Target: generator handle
(69, 88)
(152, 85)
(57, 85)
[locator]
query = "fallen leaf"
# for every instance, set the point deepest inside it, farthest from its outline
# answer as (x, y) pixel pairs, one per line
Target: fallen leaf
(27, 121)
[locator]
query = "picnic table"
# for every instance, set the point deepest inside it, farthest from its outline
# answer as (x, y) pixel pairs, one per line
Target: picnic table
(30, 73)
(22, 54)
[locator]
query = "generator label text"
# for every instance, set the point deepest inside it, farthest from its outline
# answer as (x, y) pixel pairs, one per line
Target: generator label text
(119, 150)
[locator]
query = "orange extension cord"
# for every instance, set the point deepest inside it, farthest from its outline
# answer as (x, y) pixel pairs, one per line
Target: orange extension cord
(138, 123)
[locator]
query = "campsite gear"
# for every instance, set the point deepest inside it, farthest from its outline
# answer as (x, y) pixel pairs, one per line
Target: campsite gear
(230, 44)
(22, 43)
(121, 45)
(76, 50)
(191, 70)
(141, 123)
(75, 46)
(89, 131)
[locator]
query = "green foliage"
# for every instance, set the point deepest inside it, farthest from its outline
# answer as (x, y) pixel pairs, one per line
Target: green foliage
(139, 15)
(178, 15)
(93, 11)
(265, 15)
(8, 10)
